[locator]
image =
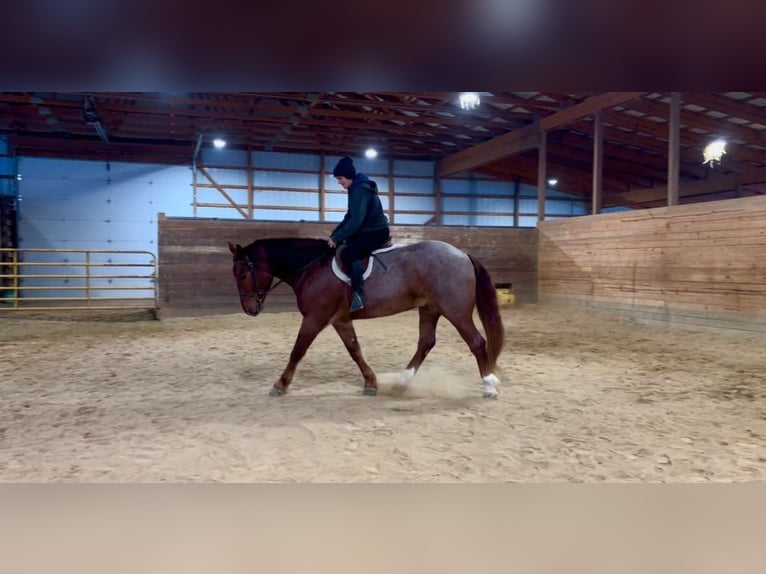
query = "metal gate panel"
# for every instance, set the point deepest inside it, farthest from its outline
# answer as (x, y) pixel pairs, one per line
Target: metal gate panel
(77, 279)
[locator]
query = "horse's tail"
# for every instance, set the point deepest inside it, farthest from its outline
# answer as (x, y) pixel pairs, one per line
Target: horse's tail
(489, 311)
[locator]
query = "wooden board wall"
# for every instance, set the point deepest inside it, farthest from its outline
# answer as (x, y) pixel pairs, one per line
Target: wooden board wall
(195, 263)
(701, 264)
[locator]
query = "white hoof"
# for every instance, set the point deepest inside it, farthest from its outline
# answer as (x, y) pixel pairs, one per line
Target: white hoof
(489, 382)
(406, 376)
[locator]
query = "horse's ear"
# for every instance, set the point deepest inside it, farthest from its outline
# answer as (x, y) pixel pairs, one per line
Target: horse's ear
(232, 248)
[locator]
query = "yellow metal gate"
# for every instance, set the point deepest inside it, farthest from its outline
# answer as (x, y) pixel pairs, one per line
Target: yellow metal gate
(77, 279)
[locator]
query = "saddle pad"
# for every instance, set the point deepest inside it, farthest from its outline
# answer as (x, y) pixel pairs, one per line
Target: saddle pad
(367, 271)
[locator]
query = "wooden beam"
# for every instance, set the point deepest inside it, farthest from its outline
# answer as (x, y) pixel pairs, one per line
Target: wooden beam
(700, 119)
(322, 197)
(517, 141)
(541, 183)
(222, 191)
(713, 184)
(250, 185)
(726, 105)
(688, 139)
(614, 137)
(641, 164)
(391, 190)
(194, 191)
(528, 137)
(674, 147)
(437, 218)
(587, 108)
(598, 161)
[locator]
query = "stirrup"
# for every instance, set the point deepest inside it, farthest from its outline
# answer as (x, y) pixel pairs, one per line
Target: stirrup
(356, 303)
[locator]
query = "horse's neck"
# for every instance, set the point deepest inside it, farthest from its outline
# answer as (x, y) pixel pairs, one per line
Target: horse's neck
(290, 257)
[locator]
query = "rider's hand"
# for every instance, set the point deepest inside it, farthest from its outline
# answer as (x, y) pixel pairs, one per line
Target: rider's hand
(331, 243)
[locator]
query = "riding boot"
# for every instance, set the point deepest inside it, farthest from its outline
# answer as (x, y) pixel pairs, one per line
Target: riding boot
(357, 297)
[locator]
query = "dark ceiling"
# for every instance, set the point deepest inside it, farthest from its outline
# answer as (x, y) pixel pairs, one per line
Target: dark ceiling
(164, 127)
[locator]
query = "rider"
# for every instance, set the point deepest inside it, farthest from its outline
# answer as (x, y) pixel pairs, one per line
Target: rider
(364, 227)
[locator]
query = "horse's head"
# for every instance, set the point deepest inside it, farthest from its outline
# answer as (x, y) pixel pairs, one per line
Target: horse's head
(252, 277)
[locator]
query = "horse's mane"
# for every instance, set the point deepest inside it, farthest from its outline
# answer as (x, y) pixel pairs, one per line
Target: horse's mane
(291, 255)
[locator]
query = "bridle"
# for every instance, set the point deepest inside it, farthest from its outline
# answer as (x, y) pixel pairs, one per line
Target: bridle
(260, 296)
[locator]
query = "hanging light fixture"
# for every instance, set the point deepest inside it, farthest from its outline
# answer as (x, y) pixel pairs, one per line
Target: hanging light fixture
(469, 100)
(371, 153)
(219, 143)
(713, 152)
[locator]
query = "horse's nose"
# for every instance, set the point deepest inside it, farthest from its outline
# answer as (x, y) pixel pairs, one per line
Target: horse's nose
(254, 311)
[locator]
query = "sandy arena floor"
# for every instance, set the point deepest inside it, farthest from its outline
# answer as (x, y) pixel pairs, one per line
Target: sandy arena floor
(583, 397)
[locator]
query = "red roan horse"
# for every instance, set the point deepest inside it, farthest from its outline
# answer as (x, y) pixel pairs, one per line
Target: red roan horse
(436, 277)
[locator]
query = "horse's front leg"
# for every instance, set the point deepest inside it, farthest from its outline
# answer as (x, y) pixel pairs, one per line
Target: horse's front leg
(310, 328)
(345, 329)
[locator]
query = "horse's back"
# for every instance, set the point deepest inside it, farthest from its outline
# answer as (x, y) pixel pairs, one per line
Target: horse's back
(430, 259)
(425, 248)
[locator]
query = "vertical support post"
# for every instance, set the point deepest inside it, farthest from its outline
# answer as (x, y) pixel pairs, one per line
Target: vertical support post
(15, 278)
(674, 141)
(322, 198)
(516, 200)
(437, 198)
(155, 283)
(598, 161)
(87, 278)
(541, 181)
(197, 147)
(194, 189)
(250, 185)
(391, 190)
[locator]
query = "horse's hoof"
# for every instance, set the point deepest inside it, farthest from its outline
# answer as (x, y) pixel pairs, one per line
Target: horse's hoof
(370, 391)
(406, 376)
(275, 392)
(489, 383)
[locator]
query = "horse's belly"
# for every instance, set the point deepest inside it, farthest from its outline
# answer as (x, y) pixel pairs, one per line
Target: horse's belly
(387, 301)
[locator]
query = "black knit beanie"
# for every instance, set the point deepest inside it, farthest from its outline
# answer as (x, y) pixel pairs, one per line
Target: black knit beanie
(344, 168)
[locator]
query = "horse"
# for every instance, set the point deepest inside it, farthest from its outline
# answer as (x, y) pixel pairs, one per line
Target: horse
(435, 277)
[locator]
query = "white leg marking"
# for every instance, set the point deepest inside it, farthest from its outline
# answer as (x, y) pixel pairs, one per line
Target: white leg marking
(406, 376)
(489, 382)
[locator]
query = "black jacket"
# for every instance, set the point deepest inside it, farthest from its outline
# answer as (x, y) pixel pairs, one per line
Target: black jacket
(365, 212)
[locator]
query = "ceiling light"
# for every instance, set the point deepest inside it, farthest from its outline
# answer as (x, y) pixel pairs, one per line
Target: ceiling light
(552, 181)
(219, 143)
(713, 152)
(371, 153)
(469, 100)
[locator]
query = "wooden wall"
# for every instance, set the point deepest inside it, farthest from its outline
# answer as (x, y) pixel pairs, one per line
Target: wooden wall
(700, 264)
(195, 263)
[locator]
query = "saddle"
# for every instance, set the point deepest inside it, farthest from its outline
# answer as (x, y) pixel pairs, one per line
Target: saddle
(342, 272)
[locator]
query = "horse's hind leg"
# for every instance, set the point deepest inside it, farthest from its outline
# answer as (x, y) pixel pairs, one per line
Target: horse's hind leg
(345, 329)
(473, 338)
(426, 341)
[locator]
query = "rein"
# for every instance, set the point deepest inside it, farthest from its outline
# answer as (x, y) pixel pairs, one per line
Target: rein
(261, 295)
